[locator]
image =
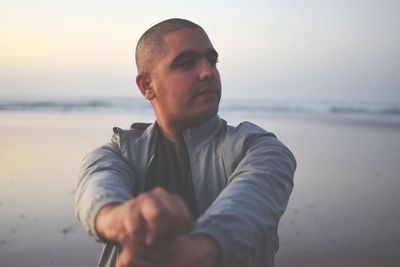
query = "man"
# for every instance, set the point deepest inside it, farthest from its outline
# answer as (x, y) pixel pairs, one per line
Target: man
(187, 190)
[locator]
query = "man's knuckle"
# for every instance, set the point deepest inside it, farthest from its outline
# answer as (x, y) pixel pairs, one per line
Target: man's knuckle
(151, 211)
(159, 191)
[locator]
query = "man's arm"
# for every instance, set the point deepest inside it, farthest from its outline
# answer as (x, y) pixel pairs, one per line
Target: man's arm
(246, 213)
(105, 178)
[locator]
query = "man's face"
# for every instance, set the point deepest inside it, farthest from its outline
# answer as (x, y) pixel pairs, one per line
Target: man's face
(185, 80)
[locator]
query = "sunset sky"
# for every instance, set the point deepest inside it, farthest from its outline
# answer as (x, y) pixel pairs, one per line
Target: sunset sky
(290, 50)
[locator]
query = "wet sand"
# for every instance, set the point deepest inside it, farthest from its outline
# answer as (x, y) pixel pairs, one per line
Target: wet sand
(344, 210)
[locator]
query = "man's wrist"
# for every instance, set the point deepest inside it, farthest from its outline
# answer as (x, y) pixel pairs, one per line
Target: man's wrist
(210, 250)
(104, 221)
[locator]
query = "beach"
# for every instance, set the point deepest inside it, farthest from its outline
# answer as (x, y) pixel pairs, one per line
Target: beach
(344, 210)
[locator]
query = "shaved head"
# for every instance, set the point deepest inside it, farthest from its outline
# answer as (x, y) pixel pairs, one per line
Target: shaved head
(151, 45)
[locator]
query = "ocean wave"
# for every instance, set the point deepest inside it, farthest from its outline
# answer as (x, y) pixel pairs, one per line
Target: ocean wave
(374, 111)
(80, 105)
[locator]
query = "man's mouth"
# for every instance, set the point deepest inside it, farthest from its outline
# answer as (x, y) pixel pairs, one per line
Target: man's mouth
(207, 91)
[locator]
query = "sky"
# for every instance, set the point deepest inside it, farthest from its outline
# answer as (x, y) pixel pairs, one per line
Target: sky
(327, 50)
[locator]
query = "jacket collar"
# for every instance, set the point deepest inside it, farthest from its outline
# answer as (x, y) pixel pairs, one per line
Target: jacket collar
(203, 133)
(198, 135)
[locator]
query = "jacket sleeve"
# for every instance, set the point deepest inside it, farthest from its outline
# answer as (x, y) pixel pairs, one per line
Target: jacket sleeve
(247, 212)
(105, 178)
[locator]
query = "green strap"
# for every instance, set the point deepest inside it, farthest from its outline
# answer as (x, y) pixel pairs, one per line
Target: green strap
(150, 161)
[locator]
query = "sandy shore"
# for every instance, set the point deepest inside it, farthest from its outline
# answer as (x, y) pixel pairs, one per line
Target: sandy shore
(344, 211)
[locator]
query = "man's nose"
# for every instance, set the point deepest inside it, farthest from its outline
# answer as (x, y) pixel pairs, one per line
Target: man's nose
(207, 71)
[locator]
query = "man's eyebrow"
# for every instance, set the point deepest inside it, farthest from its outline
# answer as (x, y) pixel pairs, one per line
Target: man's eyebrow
(194, 54)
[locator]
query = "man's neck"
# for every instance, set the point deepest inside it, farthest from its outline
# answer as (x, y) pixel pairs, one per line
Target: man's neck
(172, 133)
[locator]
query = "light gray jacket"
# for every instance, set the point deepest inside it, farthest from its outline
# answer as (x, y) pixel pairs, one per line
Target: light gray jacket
(242, 179)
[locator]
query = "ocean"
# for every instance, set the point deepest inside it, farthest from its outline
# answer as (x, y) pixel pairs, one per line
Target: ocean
(382, 113)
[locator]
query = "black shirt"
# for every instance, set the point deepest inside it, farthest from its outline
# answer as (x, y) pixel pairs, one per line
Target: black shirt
(169, 168)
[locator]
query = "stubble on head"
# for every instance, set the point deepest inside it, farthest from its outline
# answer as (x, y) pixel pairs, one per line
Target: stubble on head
(151, 46)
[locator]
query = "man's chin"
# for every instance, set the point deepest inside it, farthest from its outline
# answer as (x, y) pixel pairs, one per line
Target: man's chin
(204, 115)
(207, 114)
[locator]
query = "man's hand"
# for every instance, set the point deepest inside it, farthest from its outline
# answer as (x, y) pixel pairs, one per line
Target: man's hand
(137, 225)
(189, 251)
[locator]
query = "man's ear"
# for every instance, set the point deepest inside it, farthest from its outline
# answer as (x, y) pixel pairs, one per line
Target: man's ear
(145, 87)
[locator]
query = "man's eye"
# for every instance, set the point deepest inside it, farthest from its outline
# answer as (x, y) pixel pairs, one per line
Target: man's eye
(186, 64)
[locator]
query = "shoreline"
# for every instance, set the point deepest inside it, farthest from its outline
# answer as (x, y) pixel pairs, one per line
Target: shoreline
(149, 117)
